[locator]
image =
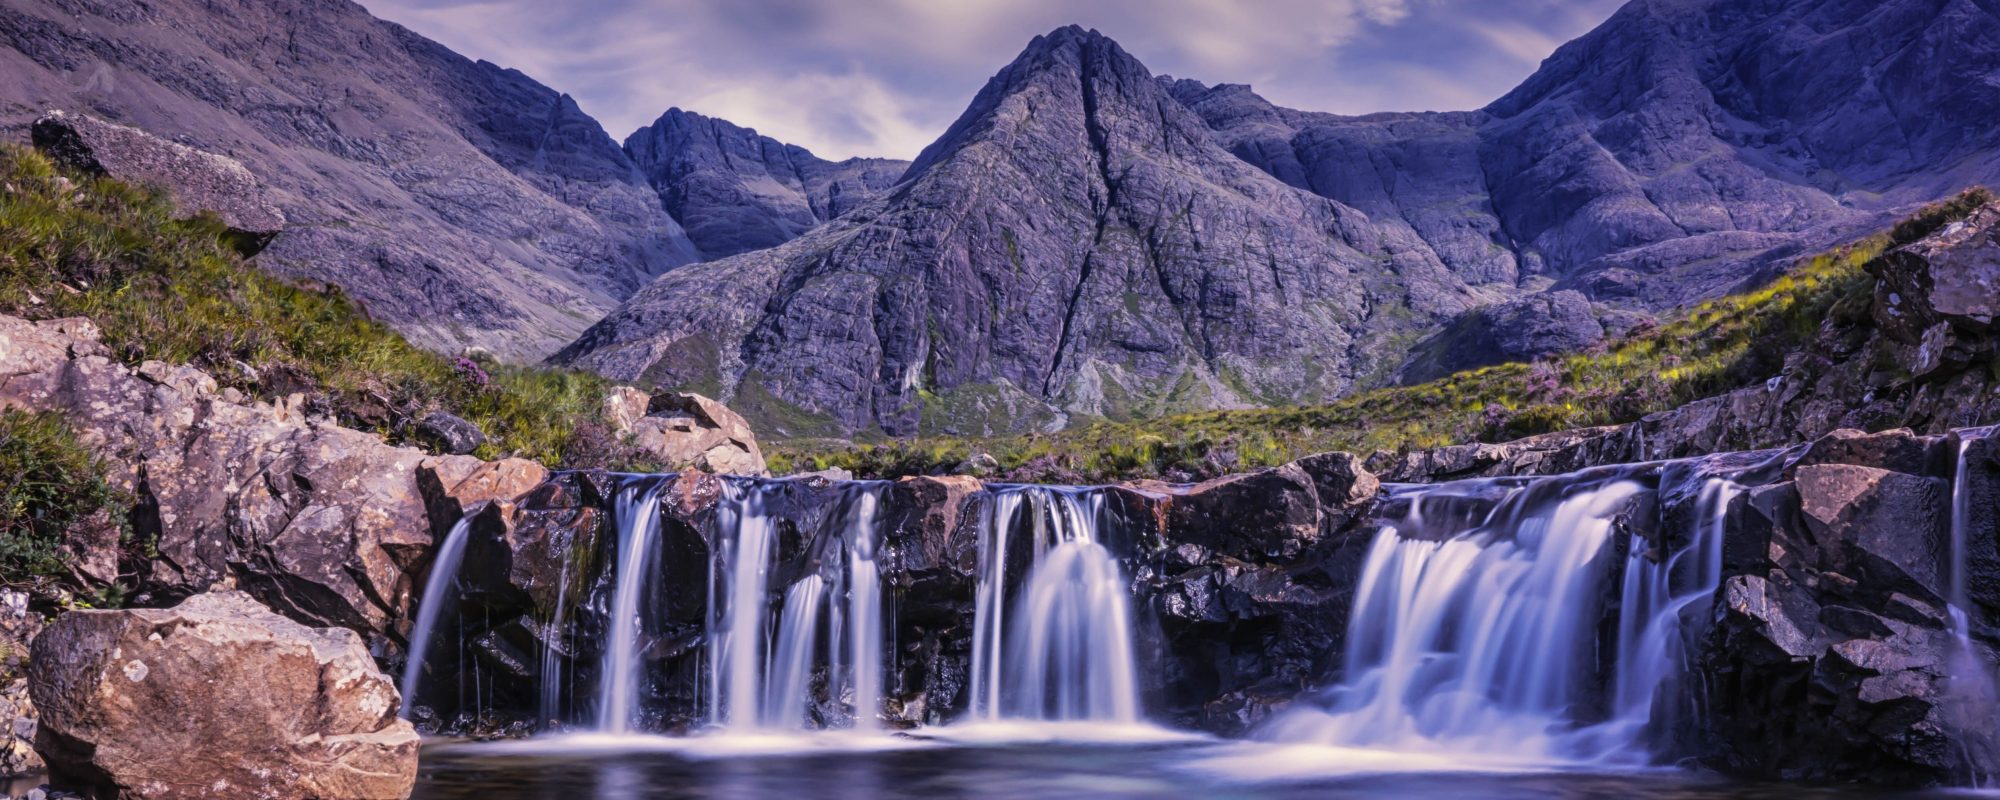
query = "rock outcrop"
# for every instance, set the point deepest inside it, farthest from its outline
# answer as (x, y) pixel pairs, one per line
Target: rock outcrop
(217, 697)
(1524, 329)
(683, 430)
(323, 523)
(734, 191)
(198, 181)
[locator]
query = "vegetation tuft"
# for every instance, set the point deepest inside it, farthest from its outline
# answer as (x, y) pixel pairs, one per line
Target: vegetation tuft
(1710, 349)
(175, 291)
(50, 483)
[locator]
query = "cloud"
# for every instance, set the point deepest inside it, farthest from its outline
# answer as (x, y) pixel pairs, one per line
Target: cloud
(884, 77)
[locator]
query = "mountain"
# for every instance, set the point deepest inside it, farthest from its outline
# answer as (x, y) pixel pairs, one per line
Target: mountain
(1673, 151)
(734, 191)
(463, 203)
(1079, 245)
(1076, 243)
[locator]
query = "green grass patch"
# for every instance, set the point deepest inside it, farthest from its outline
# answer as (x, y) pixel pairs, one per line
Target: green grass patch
(175, 291)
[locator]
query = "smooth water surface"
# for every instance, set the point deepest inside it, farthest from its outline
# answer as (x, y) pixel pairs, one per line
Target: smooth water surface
(1043, 770)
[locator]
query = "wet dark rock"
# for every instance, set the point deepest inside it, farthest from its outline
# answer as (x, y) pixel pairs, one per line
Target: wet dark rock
(1267, 514)
(198, 181)
(450, 433)
(1891, 524)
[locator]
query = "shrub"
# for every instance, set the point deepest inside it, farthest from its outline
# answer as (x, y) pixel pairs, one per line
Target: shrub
(49, 483)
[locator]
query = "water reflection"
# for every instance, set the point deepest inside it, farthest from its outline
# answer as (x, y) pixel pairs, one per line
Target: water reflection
(1039, 771)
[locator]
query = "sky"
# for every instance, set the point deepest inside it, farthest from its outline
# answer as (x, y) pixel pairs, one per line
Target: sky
(884, 77)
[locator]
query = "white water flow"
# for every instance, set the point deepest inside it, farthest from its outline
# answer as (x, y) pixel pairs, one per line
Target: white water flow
(737, 625)
(786, 697)
(443, 576)
(1657, 603)
(864, 615)
(638, 519)
(1482, 642)
(1973, 683)
(1062, 648)
(761, 674)
(552, 688)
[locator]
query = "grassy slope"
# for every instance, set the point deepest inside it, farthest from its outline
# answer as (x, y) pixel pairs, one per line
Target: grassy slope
(1715, 347)
(173, 290)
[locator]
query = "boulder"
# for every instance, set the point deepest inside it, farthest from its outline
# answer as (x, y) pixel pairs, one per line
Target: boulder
(1881, 527)
(1951, 276)
(198, 181)
(1899, 450)
(1253, 516)
(450, 433)
(684, 430)
(217, 697)
(1522, 329)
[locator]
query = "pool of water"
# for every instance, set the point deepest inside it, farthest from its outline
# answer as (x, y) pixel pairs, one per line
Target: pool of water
(1005, 764)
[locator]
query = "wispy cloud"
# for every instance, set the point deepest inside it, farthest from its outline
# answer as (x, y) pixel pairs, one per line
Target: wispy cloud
(884, 77)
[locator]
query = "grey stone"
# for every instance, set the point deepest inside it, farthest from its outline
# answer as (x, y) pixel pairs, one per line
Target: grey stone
(197, 181)
(1524, 329)
(450, 433)
(1077, 243)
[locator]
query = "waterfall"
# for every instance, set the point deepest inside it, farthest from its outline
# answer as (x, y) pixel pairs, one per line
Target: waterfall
(1062, 650)
(443, 575)
(638, 519)
(761, 675)
(1477, 634)
(737, 609)
(864, 614)
(1974, 687)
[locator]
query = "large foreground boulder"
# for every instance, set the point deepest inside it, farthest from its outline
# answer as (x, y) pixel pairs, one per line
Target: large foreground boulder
(216, 698)
(198, 181)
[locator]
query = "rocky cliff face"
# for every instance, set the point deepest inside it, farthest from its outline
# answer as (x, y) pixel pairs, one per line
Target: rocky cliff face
(1076, 244)
(734, 191)
(460, 201)
(1668, 153)
(1023, 275)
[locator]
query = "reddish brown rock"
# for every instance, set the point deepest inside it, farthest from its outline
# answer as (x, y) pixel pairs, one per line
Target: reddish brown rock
(217, 697)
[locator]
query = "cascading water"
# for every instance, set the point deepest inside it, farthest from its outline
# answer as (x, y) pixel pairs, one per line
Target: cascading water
(443, 577)
(1974, 684)
(1062, 649)
(638, 519)
(1481, 641)
(864, 614)
(761, 676)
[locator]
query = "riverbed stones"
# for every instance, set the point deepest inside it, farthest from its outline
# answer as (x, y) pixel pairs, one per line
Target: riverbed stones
(217, 697)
